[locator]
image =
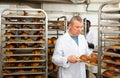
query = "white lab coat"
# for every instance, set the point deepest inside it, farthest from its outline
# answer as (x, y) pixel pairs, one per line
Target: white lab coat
(92, 36)
(65, 47)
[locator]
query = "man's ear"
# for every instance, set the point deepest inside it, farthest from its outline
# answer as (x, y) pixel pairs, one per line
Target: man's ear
(69, 26)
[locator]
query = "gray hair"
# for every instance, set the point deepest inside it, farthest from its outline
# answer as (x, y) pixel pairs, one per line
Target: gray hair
(78, 18)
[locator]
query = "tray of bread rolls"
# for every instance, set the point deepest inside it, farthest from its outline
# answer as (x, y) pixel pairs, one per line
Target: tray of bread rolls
(25, 14)
(111, 55)
(25, 40)
(32, 23)
(110, 31)
(91, 60)
(111, 59)
(110, 74)
(25, 76)
(115, 46)
(24, 46)
(111, 52)
(22, 72)
(111, 66)
(23, 65)
(11, 60)
(24, 27)
(112, 39)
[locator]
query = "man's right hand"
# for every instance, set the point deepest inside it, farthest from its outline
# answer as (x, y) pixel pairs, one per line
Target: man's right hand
(73, 59)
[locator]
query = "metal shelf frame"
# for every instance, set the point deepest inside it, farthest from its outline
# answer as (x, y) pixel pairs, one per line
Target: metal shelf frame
(43, 21)
(102, 25)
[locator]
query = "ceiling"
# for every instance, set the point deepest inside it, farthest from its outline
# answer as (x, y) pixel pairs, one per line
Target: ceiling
(43, 1)
(55, 1)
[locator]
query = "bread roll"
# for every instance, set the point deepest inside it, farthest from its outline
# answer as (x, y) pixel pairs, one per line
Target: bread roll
(23, 76)
(9, 77)
(8, 52)
(49, 41)
(38, 76)
(110, 73)
(84, 58)
(12, 39)
(23, 46)
(29, 40)
(35, 64)
(9, 33)
(36, 52)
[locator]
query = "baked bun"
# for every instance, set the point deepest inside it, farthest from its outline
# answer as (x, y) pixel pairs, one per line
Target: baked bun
(23, 76)
(10, 46)
(36, 58)
(36, 52)
(49, 49)
(21, 64)
(40, 27)
(49, 41)
(41, 40)
(38, 76)
(84, 58)
(9, 33)
(10, 64)
(23, 45)
(35, 20)
(11, 27)
(107, 58)
(38, 33)
(11, 39)
(35, 64)
(112, 66)
(29, 40)
(110, 50)
(50, 58)
(54, 39)
(93, 58)
(52, 49)
(9, 52)
(26, 27)
(110, 73)
(25, 57)
(93, 61)
(94, 55)
(6, 71)
(33, 70)
(24, 33)
(50, 67)
(11, 59)
(117, 60)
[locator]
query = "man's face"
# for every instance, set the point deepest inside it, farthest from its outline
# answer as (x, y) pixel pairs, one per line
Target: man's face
(75, 28)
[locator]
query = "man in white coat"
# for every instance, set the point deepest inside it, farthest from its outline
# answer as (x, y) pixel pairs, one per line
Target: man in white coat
(69, 47)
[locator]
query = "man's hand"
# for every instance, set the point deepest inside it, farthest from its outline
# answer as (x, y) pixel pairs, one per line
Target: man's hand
(73, 59)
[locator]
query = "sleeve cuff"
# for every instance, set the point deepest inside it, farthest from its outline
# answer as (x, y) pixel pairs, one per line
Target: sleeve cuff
(66, 64)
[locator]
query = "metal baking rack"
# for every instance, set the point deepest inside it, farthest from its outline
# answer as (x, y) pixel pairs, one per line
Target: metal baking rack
(33, 18)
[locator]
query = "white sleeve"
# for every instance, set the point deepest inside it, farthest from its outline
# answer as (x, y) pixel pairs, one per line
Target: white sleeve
(58, 57)
(88, 51)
